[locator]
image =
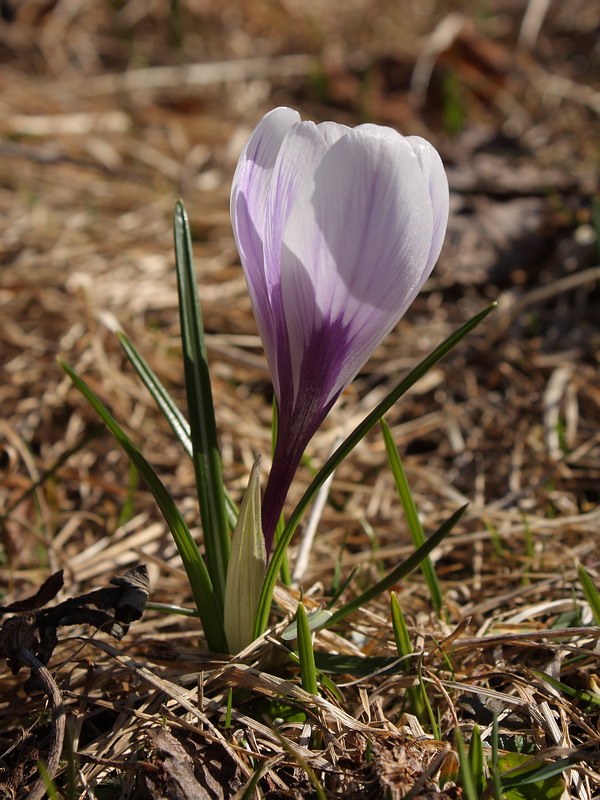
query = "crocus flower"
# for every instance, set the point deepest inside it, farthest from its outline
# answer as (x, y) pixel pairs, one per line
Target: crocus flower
(338, 229)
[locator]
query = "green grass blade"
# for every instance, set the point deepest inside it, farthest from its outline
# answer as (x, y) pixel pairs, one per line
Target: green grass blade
(476, 761)
(251, 789)
(341, 588)
(128, 507)
(530, 775)
(399, 572)
(52, 792)
(293, 753)
(344, 449)
(209, 609)
(203, 429)
(165, 403)
(402, 639)
(581, 694)
(174, 416)
(306, 655)
(590, 592)
(169, 608)
(411, 514)
(466, 776)
(405, 648)
(495, 786)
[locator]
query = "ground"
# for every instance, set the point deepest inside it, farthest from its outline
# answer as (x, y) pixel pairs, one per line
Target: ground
(112, 111)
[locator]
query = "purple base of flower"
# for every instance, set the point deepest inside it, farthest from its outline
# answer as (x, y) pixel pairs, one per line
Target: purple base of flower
(324, 358)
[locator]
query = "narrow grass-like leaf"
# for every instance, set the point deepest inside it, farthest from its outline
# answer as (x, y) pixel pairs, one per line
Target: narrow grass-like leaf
(174, 416)
(496, 782)
(209, 609)
(399, 572)
(411, 514)
(331, 687)
(315, 621)
(583, 695)
(251, 790)
(405, 648)
(476, 761)
(306, 654)
(344, 449)
(203, 429)
(530, 775)
(128, 506)
(52, 792)
(229, 709)
(435, 723)
(359, 666)
(401, 636)
(171, 412)
(287, 746)
(590, 592)
(168, 608)
(466, 776)
(341, 588)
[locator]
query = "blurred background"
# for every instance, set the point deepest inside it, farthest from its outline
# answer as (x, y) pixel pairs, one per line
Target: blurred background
(111, 110)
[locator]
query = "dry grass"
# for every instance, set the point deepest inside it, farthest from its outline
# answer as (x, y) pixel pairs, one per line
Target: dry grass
(103, 126)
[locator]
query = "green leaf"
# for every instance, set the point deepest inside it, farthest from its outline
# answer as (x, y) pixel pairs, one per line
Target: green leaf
(165, 403)
(583, 695)
(305, 652)
(179, 424)
(316, 619)
(344, 449)
(399, 572)
(403, 643)
(411, 513)
(467, 779)
(476, 761)
(203, 429)
(405, 648)
(208, 607)
(590, 592)
(359, 666)
(533, 782)
(52, 792)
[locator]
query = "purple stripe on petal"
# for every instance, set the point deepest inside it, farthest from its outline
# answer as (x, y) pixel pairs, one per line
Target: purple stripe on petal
(300, 416)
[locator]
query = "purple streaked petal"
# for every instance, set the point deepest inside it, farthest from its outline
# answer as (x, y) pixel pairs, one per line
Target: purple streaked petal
(356, 245)
(249, 194)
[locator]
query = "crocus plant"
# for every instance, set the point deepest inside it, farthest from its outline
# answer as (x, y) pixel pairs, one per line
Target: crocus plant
(338, 229)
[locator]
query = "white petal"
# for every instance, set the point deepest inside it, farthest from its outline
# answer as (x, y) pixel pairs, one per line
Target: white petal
(332, 131)
(435, 176)
(249, 193)
(300, 154)
(252, 176)
(357, 242)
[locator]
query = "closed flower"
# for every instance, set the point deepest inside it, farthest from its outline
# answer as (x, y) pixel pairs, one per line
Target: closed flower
(338, 229)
